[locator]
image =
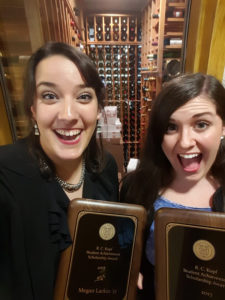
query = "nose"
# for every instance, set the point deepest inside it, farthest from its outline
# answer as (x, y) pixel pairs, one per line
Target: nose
(68, 110)
(186, 138)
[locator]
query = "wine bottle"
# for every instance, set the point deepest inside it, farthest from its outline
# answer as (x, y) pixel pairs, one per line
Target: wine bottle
(149, 78)
(124, 28)
(146, 99)
(154, 43)
(115, 28)
(107, 36)
(108, 49)
(107, 20)
(107, 29)
(99, 36)
(91, 30)
(116, 20)
(132, 23)
(99, 28)
(115, 36)
(123, 36)
(145, 89)
(155, 16)
(139, 34)
(115, 50)
(151, 56)
(124, 20)
(145, 69)
(109, 85)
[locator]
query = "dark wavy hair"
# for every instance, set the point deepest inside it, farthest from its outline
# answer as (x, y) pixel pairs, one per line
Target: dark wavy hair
(94, 151)
(154, 171)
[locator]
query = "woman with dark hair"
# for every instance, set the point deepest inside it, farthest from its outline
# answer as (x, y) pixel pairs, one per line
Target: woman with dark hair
(183, 160)
(60, 160)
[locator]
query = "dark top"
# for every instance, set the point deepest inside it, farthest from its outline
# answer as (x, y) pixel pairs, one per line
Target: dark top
(33, 221)
(147, 269)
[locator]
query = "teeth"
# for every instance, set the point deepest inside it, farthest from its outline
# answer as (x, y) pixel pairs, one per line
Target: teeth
(188, 156)
(68, 132)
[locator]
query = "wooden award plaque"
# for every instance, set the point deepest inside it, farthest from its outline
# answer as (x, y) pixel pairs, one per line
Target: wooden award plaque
(189, 247)
(104, 260)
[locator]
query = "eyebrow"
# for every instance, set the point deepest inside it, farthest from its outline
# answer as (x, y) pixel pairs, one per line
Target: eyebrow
(197, 115)
(51, 84)
(202, 114)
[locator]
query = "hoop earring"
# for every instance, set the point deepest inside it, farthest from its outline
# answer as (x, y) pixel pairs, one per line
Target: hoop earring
(36, 130)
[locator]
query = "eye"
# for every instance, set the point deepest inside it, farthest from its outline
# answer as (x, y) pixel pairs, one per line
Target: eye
(171, 128)
(201, 125)
(85, 97)
(49, 96)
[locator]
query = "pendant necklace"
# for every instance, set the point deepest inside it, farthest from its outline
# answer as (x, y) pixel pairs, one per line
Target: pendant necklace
(69, 187)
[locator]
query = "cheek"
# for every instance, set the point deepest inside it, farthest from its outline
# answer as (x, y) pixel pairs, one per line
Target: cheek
(211, 142)
(90, 116)
(44, 116)
(167, 145)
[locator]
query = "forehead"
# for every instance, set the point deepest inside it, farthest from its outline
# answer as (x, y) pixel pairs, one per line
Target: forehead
(57, 66)
(195, 106)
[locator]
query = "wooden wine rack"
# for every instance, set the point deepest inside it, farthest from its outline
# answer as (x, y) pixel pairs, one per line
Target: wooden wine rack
(111, 24)
(163, 26)
(119, 63)
(59, 23)
(158, 39)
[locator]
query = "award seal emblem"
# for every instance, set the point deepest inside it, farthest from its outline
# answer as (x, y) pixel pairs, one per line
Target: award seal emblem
(107, 231)
(204, 250)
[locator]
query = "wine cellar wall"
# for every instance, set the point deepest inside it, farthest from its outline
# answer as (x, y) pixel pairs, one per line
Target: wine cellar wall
(114, 44)
(135, 55)
(163, 42)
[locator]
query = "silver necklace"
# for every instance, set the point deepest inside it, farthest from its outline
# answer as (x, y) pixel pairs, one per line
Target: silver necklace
(69, 187)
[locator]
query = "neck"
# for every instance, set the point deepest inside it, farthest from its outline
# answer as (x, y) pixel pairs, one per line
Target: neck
(70, 171)
(191, 193)
(183, 186)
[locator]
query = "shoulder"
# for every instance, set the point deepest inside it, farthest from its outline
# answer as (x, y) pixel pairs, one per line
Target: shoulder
(125, 185)
(109, 163)
(104, 184)
(109, 171)
(16, 158)
(13, 151)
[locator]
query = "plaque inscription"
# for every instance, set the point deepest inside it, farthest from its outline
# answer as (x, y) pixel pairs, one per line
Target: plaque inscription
(195, 268)
(101, 262)
(190, 250)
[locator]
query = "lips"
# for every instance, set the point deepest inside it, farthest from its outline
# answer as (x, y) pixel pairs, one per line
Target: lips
(190, 162)
(68, 135)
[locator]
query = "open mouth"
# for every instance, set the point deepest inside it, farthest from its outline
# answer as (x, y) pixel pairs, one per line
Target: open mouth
(190, 162)
(68, 135)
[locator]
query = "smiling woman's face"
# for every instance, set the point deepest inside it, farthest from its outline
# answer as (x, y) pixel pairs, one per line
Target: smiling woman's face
(65, 109)
(192, 139)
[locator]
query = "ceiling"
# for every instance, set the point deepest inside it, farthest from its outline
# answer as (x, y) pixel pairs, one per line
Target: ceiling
(114, 6)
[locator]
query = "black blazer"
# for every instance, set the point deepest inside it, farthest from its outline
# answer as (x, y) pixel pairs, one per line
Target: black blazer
(33, 223)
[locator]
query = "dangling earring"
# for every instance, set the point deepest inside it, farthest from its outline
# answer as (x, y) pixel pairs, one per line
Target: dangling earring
(222, 137)
(36, 130)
